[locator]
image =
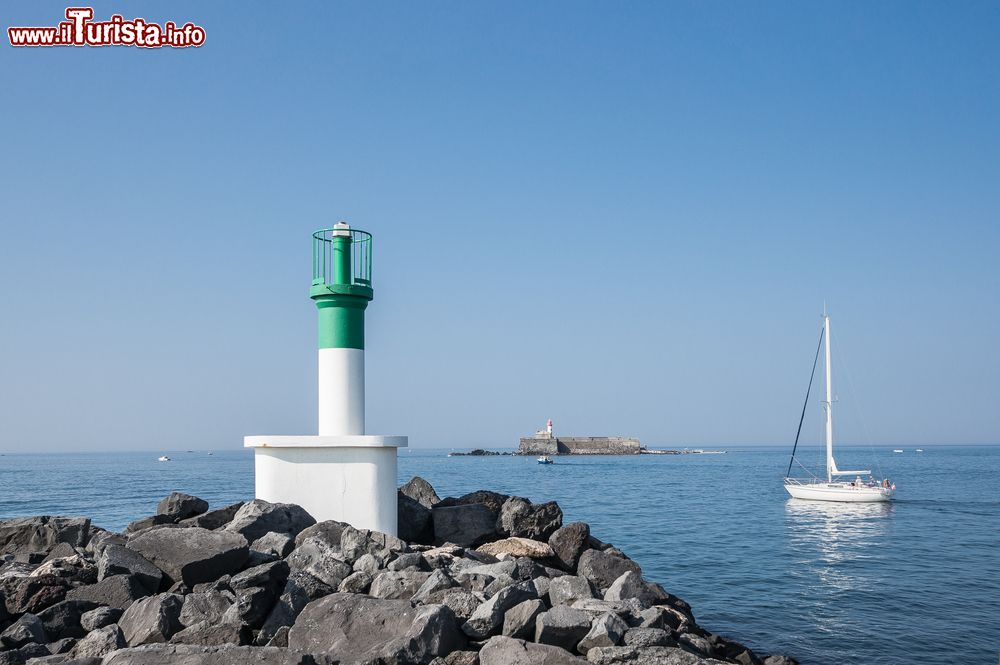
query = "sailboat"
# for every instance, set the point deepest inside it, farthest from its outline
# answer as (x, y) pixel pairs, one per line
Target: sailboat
(830, 489)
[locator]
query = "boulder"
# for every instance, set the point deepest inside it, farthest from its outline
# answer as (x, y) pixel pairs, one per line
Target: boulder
(273, 544)
(207, 633)
(367, 563)
(502, 650)
(648, 637)
(595, 607)
(353, 628)
(153, 619)
(357, 582)
(99, 643)
(522, 519)
(64, 619)
(460, 601)
(205, 606)
(519, 621)
(414, 521)
(115, 559)
(489, 616)
(462, 658)
(99, 539)
(603, 568)
(25, 630)
(118, 591)
(436, 581)
(562, 627)
(300, 589)
(695, 642)
(329, 531)
(146, 523)
(567, 589)
(258, 517)
(34, 594)
(605, 631)
(189, 654)
(408, 560)
(63, 646)
(644, 656)
(61, 551)
(314, 556)
(395, 585)
(492, 500)
(467, 525)
(24, 654)
(630, 585)
(179, 506)
(74, 568)
(214, 519)
(192, 555)
(99, 618)
(421, 491)
(40, 534)
(517, 547)
(780, 660)
(354, 543)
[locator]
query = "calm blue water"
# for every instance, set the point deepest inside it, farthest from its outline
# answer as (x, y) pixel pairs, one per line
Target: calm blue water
(917, 581)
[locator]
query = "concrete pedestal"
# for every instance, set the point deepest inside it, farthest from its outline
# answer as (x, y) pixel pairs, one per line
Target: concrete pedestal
(348, 478)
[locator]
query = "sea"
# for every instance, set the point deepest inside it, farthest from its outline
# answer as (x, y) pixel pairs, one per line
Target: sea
(914, 581)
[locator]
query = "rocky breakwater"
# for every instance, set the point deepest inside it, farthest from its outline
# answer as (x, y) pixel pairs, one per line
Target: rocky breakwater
(480, 579)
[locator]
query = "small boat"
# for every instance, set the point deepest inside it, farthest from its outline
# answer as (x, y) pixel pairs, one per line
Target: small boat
(897, 450)
(210, 453)
(858, 490)
(545, 459)
(920, 450)
(162, 458)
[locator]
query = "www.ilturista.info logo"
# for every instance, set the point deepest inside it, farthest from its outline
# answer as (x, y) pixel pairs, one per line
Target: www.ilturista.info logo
(81, 30)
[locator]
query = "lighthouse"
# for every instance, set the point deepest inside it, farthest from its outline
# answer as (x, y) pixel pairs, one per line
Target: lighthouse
(341, 473)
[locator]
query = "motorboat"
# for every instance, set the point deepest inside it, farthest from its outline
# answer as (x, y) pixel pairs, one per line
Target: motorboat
(162, 458)
(545, 459)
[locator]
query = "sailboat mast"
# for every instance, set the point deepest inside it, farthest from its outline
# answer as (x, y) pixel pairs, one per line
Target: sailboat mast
(828, 403)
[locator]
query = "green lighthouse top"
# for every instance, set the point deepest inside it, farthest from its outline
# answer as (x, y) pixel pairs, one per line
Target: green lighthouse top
(342, 262)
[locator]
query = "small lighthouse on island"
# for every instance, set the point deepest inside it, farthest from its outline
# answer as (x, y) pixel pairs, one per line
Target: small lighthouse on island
(342, 473)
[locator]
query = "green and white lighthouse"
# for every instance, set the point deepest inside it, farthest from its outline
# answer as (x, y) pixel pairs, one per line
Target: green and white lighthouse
(342, 474)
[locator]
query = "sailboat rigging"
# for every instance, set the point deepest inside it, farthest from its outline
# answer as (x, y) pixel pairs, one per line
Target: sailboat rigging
(858, 490)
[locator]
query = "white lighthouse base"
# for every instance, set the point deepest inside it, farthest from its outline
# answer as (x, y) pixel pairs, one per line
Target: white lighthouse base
(345, 478)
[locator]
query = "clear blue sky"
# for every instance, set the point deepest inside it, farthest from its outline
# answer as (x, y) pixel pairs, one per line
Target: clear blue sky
(622, 216)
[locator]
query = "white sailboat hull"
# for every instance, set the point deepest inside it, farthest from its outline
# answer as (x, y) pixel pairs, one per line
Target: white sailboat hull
(844, 492)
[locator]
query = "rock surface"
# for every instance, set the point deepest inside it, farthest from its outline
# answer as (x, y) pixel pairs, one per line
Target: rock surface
(193, 554)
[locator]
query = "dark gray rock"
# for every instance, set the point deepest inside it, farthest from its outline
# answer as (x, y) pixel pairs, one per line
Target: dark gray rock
(412, 560)
(520, 518)
(648, 637)
(780, 660)
(329, 531)
(280, 638)
(179, 506)
(462, 658)
(25, 630)
(519, 621)
(100, 538)
(356, 629)
(355, 543)
(206, 633)
(259, 517)
(99, 618)
(643, 656)
(396, 585)
(438, 580)
(630, 585)
(190, 654)
(63, 619)
(118, 591)
(300, 589)
(460, 601)
(278, 545)
(492, 500)
(414, 521)
(65, 645)
(569, 542)
(73, 568)
(151, 620)
(41, 533)
(562, 627)
(205, 606)
(214, 519)
(60, 551)
(696, 643)
(192, 555)
(316, 557)
(34, 594)
(146, 523)
(603, 568)
(357, 582)
(117, 559)
(421, 491)
(567, 589)
(100, 643)
(467, 525)
(489, 616)
(606, 630)
(22, 655)
(367, 563)
(502, 650)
